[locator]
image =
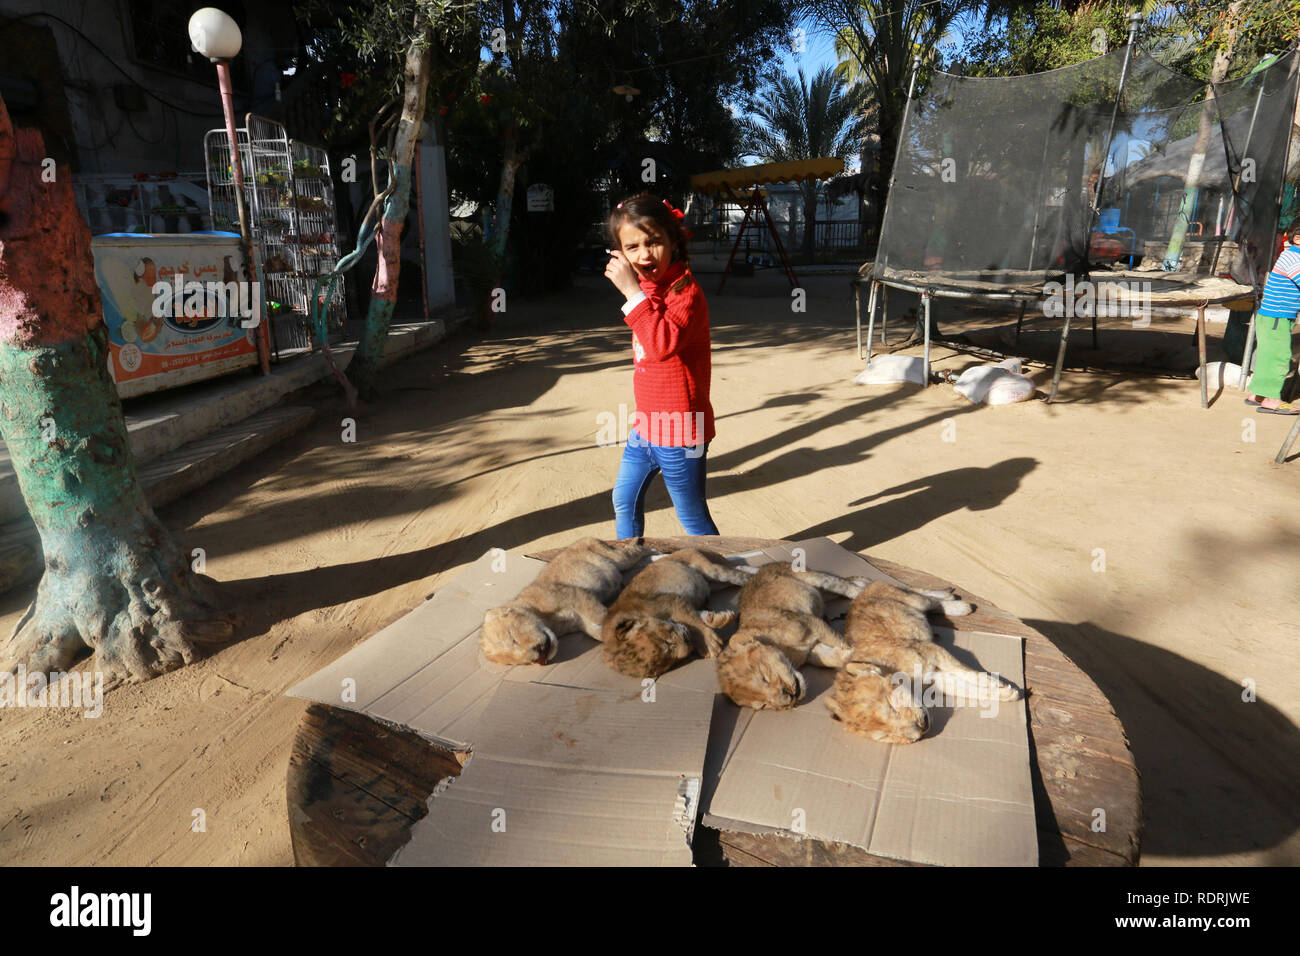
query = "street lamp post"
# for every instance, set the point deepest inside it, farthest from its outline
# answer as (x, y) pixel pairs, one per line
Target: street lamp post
(215, 35)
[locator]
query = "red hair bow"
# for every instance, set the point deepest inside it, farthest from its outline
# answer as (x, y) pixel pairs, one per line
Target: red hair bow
(678, 214)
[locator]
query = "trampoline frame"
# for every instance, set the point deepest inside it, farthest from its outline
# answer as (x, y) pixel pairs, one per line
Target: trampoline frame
(879, 292)
(880, 287)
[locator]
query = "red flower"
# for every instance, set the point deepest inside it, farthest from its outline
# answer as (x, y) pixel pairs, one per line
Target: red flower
(347, 79)
(484, 98)
(443, 111)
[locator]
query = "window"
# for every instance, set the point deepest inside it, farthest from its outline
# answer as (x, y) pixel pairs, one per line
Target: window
(160, 31)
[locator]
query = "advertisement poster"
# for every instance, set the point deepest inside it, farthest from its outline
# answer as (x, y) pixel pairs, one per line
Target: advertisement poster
(192, 329)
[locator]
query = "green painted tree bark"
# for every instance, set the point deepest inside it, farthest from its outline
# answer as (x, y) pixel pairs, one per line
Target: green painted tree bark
(500, 230)
(1205, 129)
(363, 368)
(115, 582)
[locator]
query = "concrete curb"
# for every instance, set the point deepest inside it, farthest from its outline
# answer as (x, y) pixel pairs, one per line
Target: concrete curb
(162, 423)
(185, 440)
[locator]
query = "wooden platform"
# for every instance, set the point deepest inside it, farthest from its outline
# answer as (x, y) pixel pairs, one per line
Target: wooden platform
(355, 786)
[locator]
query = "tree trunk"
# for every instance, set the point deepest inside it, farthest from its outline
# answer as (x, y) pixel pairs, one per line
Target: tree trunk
(364, 366)
(810, 220)
(889, 124)
(114, 580)
(510, 163)
(1191, 185)
(1076, 214)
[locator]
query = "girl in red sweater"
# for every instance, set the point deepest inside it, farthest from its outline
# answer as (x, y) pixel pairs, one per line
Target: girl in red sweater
(669, 318)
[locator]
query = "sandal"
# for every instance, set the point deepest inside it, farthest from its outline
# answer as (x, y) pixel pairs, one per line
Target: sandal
(1286, 408)
(1250, 402)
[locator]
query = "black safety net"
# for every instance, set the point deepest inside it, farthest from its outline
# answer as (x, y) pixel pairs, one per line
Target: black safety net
(996, 181)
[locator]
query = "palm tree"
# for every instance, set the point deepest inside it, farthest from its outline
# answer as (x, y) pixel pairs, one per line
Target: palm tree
(791, 118)
(877, 41)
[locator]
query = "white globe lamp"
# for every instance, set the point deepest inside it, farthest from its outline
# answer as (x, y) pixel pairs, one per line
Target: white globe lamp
(215, 34)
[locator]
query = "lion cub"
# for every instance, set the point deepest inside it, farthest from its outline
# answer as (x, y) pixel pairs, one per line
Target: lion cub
(658, 619)
(891, 636)
(781, 628)
(569, 594)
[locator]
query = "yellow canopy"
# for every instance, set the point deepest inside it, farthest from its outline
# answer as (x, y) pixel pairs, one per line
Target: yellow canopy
(795, 171)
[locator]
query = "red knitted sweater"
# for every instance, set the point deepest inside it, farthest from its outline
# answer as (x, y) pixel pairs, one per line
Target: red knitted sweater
(670, 349)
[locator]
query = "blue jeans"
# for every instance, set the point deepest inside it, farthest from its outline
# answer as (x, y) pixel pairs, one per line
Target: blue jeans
(684, 472)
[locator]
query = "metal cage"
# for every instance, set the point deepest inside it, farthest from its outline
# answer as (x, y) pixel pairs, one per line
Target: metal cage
(290, 200)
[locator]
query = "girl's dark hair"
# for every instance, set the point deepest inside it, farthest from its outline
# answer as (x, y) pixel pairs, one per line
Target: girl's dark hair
(647, 211)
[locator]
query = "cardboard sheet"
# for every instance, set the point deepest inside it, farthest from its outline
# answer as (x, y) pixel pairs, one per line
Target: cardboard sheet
(424, 671)
(604, 773)
(959, 796)
(571, 763)
(574, 764)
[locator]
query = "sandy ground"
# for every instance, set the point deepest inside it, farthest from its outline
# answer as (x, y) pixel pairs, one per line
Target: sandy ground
(489, 441)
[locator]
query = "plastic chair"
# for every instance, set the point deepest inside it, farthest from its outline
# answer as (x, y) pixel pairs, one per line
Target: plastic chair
(1109, 225)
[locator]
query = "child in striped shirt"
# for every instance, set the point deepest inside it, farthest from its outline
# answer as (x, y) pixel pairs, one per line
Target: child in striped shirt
(1273, 325)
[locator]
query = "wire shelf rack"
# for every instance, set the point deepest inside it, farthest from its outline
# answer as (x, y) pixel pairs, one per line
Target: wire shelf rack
(289, 196)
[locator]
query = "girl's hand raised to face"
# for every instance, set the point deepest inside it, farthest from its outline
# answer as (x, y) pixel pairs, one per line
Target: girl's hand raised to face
(620, 272)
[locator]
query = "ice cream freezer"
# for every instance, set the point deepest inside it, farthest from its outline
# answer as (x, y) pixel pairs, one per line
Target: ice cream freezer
(176, 307)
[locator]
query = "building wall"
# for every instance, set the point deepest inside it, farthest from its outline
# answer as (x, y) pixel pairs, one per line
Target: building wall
(104, 107)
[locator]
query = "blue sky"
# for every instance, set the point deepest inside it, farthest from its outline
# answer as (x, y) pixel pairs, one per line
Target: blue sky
(818, 52)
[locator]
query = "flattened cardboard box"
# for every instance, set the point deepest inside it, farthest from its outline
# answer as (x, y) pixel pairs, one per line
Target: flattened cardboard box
(571, 763)
(959, 796)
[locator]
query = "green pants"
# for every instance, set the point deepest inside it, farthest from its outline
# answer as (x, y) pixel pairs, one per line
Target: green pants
(1273, 360)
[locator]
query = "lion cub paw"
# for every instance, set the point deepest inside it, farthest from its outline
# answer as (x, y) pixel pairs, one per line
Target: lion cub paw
(1009, 691)
(956, 608)
(718, 618)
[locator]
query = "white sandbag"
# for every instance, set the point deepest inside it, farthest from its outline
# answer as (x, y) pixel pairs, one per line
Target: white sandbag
(892, 370)
(1221, 374)
(1001, 384)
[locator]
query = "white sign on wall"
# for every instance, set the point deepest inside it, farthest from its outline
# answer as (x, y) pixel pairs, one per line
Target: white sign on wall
(541, 198)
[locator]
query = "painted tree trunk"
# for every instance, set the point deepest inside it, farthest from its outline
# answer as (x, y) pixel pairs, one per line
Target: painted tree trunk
(363, 368)
(1195, 166)
(114, 580)
(1076, 213)
(505, 197)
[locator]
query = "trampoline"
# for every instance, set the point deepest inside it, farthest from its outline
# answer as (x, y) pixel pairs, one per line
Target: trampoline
(1147, 189)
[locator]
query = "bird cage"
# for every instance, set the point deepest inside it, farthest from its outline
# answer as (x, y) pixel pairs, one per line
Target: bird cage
(290, 202)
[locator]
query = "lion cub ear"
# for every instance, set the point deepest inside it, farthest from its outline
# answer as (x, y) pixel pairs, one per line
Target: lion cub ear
(625, 625)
